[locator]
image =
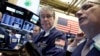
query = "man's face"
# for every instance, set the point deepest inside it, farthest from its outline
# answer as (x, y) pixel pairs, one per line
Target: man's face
(36, 30)
(89, 16)
(47, 19)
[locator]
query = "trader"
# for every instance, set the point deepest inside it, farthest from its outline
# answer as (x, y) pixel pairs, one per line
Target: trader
(51, 42)
(89, 21)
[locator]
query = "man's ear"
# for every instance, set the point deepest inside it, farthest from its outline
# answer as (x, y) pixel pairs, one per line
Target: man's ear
(0, 16)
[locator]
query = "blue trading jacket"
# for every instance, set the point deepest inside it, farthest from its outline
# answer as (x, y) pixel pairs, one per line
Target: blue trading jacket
(78, 50)
(47, 45)
(4, 38)
(13, 42)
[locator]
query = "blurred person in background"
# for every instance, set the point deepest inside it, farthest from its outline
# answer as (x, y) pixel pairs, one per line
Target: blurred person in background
(30, 36)
(4, 36)
(36, 31)
(13, 39)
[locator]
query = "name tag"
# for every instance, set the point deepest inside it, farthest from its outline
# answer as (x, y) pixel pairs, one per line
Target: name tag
(14, 40)
(1, 36)
(42, 45)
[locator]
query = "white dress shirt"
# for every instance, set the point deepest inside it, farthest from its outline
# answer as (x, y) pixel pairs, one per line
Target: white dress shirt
(48, 32)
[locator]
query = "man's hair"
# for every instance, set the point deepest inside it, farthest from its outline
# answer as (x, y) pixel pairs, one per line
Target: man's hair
(48, 8)
(38, 28)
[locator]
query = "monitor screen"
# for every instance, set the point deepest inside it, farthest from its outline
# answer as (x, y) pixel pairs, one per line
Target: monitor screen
(11, 21)
(34, 19)
(27, 26)
(16, 17)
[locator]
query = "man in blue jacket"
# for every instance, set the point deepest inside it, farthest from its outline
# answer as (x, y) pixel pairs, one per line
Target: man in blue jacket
(50, 41)
(89, 21)
(13, 40)
(4, 36)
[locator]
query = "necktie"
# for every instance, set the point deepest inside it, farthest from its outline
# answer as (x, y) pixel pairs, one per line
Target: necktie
(86, 48)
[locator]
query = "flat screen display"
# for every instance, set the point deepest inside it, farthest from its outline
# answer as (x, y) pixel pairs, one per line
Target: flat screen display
(27, 26)
(11, 21)
(34, 19)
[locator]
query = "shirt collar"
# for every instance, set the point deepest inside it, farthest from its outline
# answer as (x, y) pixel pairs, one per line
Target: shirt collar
(48, 32)
(97, 38)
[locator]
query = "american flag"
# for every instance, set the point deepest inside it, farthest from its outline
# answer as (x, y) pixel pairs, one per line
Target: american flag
(67, 25)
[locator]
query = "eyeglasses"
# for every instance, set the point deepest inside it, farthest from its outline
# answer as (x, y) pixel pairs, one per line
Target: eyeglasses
(94, 2)
(46, 16)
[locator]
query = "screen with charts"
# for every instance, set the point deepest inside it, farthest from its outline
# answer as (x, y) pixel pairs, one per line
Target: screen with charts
(14, 16)
(27, 26)
(11, 21)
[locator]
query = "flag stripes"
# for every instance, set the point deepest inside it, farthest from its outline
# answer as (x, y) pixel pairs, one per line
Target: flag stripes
(70, 25)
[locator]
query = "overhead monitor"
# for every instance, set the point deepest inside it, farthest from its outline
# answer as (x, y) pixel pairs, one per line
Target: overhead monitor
(27, 26)
(34, 19)
(14, 16)
(11, 21)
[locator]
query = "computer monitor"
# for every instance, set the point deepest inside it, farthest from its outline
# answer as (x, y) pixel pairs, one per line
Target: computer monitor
(27, 26)
(34, 19)
(14, 16)
(11, 21)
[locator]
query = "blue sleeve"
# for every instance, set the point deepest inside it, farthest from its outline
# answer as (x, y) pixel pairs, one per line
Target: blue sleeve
(56, 52)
